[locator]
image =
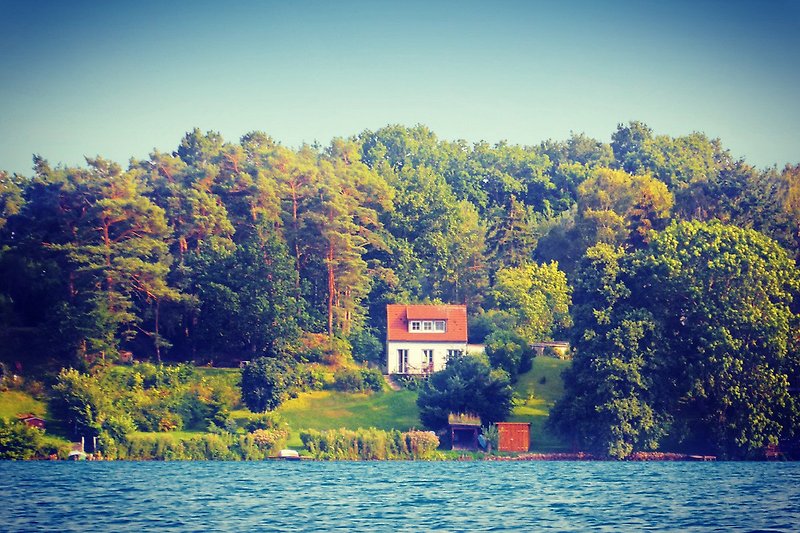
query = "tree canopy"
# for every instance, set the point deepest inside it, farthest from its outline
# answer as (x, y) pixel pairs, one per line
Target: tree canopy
(690, 341)
(668, 260)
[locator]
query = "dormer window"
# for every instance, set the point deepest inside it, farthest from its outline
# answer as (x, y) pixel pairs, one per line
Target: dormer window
(427, 326)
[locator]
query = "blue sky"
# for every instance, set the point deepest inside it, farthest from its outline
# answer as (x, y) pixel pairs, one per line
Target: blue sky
(119, 79)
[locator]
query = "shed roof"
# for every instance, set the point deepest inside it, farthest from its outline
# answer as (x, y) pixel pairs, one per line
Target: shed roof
(398, 315)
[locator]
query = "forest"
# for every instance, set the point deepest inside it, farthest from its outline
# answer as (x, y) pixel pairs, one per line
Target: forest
(667, 262)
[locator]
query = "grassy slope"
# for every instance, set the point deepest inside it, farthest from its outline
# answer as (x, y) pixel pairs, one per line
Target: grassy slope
(330, 409)
(538, 398)
(14, 402)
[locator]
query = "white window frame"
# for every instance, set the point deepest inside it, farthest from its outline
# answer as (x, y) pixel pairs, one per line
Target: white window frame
(427, 326)
(454, 353)
(402, 361)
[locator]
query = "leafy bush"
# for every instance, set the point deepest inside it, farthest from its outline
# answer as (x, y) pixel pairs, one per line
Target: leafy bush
(467, 384)
(18, 441)
(269, 420)
(267, 383)
(412, 383)
(350, 379)
(509, 351)
(373, 379)
(309, 377)
(270, 440)
(86, 407)
(367, 348)
(369, 444)
(491, 434)
(484, 324)
(320, 348)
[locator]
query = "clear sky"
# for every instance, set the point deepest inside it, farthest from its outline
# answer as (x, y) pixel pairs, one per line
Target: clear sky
(121, 78)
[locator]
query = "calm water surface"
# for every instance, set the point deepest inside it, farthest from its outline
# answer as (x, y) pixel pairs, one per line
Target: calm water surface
(394, 496)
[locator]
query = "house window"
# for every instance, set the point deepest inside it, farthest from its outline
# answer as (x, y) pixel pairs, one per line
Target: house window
(454, 353)
(427, 326)
(427, 360)
(402, 361)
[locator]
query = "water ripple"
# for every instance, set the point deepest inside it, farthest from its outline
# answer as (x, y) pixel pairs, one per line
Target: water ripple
(389, 496)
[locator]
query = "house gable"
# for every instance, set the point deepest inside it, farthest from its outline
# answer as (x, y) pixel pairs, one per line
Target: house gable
(429, 323)
(420, 339)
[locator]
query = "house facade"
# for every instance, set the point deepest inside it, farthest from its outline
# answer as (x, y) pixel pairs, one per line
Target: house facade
(421, 338)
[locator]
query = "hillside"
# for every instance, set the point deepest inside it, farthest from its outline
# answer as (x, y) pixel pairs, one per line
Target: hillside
(537, 390)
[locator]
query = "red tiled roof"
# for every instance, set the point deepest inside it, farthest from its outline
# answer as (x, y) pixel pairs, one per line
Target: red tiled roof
(398, 315)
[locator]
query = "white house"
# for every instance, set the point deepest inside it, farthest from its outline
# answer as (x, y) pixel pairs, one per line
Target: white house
(421, 338)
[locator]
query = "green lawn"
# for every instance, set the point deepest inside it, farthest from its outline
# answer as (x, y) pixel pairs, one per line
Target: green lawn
(331, 410)
(14, 402)
(538, 390)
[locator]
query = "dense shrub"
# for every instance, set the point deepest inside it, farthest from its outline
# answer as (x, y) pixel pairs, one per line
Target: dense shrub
(267, 383)
(86, 405)
(369, 444)
(18, 441)
(510, 352)
(484, 324)
(268, 420)
(467, 385)
(373, 379)
(320, 348)
(413, 383)
(350, 379)
(270, 440)
(367, 348)
(309, 377)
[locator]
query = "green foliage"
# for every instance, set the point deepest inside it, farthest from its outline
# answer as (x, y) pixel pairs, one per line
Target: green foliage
(348, 379)
(247, 298)
(491, 434)
(81, 402)
(537, 296)
(193, 447)
(687, 341)
(271, 440)
(369, 444)
(267, 383)
(468, 384)
(366, 347)
(18, 441)
(488, 322)
(510, 352)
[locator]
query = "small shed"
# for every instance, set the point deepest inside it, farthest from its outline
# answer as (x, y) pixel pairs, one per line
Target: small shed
(513, 436)
(464, 431)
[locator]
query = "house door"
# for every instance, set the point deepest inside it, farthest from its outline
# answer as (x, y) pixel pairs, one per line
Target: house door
(402, 361)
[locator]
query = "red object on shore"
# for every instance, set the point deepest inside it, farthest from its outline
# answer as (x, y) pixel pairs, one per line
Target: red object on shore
(513, 436)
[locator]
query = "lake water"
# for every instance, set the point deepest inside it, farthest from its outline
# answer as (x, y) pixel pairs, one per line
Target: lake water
(394, 496)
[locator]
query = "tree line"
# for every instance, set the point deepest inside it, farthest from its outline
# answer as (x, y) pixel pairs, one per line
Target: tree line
(234, 250)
